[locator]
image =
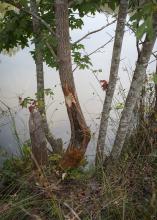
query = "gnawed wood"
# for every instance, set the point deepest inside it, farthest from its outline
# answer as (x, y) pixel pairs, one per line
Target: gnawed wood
(80, 133)
(38, 140)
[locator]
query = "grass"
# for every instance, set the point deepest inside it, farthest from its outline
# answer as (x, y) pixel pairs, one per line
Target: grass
(124, 190)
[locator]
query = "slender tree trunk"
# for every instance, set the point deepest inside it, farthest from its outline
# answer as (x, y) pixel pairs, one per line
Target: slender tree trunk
(112, 81)
(80, 134)
(153, 117)
(55, 144)
(134, 92)
(38, 140)
(155, 107)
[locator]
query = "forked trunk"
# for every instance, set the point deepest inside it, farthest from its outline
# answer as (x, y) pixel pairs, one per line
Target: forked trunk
(112, 81)
(134, 92)
(55, 144)
(80, 134)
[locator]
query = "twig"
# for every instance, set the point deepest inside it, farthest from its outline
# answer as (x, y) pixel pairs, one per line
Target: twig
(95, 52)
(139, 42)
(95, 31)
(32, 216)
(75, 68)
(14, 126)
(101, 100)
(155, 55)
(100, 47)
(152, 61)
(72, 211)
(51, 50)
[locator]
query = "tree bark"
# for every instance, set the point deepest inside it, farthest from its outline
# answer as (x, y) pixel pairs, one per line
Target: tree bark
(55, 144)
(80, 134)
(38, 140)
(134, 92)
(112, 80)
(153, 116)
(155, 106)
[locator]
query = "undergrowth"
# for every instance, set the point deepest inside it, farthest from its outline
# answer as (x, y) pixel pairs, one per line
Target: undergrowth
(124, 190)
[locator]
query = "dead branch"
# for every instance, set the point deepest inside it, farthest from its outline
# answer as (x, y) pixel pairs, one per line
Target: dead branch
(72, 211)
(95, 31)
(32, 216)
(98, 49)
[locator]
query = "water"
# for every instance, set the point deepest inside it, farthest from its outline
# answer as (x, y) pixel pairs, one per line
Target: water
(18, 78)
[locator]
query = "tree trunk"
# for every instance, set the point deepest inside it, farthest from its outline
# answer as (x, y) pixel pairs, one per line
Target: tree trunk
(134, 92)
(55, 144)
(153, 117)
(38, 140)
(80, 134)
(155, 106)
(112, 80)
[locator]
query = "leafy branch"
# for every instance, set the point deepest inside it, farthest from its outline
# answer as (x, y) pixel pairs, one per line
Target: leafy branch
(27, 10)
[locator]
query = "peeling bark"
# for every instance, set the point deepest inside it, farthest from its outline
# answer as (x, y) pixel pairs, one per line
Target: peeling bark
(55, 144)
(134, 92)
(80, 134)
(38, 140)
(112, 81)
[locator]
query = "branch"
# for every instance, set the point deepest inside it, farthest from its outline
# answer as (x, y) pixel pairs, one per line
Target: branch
(152, 61)
(95, 31)
(100, 47)
(20, 7)
(51, 50)
(32, 216)
(72, 211)
(155, 55)
(95, 52)
(140, 42)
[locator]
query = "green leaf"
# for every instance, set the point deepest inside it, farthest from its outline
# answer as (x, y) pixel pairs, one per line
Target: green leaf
(141, 30)
(141, 20)
(119, 106)
(154, 78)
(48, 92)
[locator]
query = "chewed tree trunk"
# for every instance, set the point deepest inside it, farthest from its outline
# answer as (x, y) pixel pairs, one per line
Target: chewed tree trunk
(55, 144)
(80, 134)
(134, 92)
(123, 9)
(38, 139)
